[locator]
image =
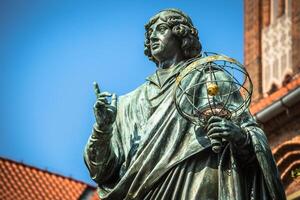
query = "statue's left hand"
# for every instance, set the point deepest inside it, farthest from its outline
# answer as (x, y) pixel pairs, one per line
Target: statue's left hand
(223, 128)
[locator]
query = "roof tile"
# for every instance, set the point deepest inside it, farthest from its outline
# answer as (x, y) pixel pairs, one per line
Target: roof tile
(19, 181)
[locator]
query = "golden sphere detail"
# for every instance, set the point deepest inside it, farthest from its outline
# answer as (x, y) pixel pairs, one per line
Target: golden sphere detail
(212, 89)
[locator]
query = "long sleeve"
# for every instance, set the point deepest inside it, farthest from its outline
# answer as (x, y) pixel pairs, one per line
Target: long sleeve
(100, 157)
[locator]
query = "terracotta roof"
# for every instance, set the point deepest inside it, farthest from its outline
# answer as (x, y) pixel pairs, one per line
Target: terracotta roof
(95, 196)
(20, 181)
(267, 101)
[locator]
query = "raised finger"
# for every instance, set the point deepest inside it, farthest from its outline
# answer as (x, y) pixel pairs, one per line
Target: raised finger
(96, 89)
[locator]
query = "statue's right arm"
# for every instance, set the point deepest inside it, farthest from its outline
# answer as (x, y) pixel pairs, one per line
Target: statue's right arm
(100, 157)
(100, 154)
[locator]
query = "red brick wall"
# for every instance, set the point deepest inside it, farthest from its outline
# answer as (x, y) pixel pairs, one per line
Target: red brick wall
(283, 127)
(285, 133)
(252, 42)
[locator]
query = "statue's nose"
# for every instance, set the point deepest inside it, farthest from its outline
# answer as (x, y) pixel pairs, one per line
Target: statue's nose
(153, 36)
(154, 40)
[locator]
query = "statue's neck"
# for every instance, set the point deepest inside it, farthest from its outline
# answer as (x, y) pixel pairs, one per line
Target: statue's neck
(171, 62)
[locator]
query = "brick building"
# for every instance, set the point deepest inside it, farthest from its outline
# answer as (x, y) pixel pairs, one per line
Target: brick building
(272, 58)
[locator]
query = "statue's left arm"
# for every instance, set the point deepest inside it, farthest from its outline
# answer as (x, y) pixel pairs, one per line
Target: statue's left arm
(234, 129)
(249, 145)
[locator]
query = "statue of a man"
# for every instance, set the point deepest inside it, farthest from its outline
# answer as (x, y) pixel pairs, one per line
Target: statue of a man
(141, 148)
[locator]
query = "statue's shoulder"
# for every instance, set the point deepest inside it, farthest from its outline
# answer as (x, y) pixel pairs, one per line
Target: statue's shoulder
(136, 93)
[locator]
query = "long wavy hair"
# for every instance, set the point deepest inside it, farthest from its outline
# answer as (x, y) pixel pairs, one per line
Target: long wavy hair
(182, 27)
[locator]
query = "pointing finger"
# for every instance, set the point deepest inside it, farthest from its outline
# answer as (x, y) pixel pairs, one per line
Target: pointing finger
(96, 88)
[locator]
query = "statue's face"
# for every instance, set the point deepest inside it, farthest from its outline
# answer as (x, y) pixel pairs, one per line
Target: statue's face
(163, 43)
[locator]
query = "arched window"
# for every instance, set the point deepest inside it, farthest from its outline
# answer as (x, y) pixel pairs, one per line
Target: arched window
(273, 88)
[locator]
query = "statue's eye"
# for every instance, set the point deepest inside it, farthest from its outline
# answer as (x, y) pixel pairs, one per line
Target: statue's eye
(162, 29)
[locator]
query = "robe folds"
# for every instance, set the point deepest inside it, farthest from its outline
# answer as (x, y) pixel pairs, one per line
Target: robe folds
(154, 153)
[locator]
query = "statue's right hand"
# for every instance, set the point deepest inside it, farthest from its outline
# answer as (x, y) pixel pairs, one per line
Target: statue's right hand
(105, 112)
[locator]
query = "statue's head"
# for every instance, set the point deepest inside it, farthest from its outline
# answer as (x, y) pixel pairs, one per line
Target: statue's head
(168, 31)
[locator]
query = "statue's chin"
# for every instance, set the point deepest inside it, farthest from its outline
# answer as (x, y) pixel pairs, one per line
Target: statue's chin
(158, 53)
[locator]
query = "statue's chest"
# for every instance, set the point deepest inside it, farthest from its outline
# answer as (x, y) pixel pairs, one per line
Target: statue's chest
(156, 95)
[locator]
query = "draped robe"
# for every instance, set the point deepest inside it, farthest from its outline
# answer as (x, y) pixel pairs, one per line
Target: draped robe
(154, 153)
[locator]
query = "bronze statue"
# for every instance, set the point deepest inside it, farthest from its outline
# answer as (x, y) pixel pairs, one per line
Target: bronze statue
(142, 148)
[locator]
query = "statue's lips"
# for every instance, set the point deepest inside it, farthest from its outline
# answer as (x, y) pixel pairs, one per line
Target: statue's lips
(155, 45)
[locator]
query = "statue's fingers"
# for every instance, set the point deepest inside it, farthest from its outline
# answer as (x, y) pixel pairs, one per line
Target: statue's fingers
(102, 99)
(215, 124)
(104, 94)
(113, 109)
(96, 89)
(215, 136)
(216, 130)
(213, 119)
(98, 104)
(224, 135)
(113, 102)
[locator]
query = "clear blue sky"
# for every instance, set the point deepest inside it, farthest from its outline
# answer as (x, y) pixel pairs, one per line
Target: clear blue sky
(51, 52)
